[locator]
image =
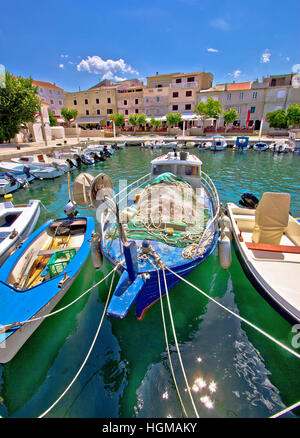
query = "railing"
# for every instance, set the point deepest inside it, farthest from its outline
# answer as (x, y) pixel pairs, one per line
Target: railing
(184, 85)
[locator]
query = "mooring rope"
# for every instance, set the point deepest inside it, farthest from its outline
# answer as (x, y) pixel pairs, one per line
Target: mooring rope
(88, 354)
(286, 410)
(236, 315)
(8, 326)
(176, 343)
(167, 345)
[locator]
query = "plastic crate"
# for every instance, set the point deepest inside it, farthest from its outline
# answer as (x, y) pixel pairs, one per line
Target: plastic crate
(60, 260)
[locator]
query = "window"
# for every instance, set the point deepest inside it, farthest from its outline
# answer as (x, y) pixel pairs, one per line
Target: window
(241, 96)
(175, 94)
(87, 112)
(175, 107)
(147, 99)
(86, 101)
(41, 90)
(75, 102)
(126, 112)
(157, 99)
(136, 111)
(50, 91)
(178, 81)
(191, 79)
(188, 106)
(228, 96)
(109, 111)
(60, 102)
(254, 95)
(188, 93)
(252, 110)
(136, 101)
(98, 112)
(125, 102)
(58, 92)
(108, 100)
(97, 101)
(51, 101)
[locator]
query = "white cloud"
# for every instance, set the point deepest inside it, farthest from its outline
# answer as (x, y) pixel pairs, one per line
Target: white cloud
(235, 74)
(213, 50)
(61, 66)
(220, 23)
(287, 58)
(109, 68)
(64, 56)
(265, 56)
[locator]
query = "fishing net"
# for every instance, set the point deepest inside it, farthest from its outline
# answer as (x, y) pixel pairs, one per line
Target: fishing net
(167, 210)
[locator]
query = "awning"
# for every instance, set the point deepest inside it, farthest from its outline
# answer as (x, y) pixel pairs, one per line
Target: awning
(89, 119)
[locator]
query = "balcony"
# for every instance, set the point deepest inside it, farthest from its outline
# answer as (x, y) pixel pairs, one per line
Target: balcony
(184, 85)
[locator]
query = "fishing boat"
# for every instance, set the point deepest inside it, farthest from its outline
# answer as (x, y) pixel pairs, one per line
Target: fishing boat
(42, 160)
(16, 223)
(260, 146)
(169, 218)
(267, 243)
(218, 143)
(242, 143)
(39, 173)
(10, 181)
(37, 276)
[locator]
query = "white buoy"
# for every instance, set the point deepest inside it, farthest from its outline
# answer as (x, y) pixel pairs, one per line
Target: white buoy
(225, 226)
(224, 251)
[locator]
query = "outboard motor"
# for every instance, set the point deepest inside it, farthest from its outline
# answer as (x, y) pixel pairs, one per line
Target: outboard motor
(70, 162)
(27, 171)
(249, 200)
(102, 156)
(78, 161)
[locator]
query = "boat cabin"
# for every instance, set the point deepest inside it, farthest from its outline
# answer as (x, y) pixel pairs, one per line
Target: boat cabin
(182, 164)
(242, 142)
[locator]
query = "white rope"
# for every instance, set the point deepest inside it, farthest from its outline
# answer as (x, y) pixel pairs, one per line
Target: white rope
(4, 327)
(167, 345)
(285, 411)
(235, 314)
(177, 347)
(87, 356)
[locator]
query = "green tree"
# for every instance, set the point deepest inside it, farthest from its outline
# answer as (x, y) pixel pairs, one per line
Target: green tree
(155, 122)
(119, 120)
(293, 115)
(137, 120)
(278, 119)
(229, 117)
(68, 114)
(52, 119)
(173, 119)
(212, 109)
(18, 104)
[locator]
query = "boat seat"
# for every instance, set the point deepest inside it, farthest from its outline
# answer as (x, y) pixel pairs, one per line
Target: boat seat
(273, 248)
(271, 218)
(75, 223)
(50, 252)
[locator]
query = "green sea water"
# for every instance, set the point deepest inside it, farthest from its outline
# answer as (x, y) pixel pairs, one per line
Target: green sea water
(233, 370)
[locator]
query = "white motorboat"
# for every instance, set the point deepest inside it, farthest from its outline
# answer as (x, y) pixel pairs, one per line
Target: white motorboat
(39, 173)
(281, 147)
(218, 144)
(16, 224)
(42, 160)
(267, 242)
(205, 145)
(10, 182)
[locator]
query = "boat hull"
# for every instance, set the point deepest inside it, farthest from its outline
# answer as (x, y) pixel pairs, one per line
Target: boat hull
(49, 293)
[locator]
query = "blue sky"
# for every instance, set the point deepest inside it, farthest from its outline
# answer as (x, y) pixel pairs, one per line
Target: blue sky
(75, 44)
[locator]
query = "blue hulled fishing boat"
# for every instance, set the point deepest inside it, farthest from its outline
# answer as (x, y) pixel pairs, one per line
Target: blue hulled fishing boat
(168, 218)
(37, 276)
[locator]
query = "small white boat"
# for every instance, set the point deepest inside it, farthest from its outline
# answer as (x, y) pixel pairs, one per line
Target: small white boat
(260, 146)
(267, 242)
(16, 224)
(42, 160)
(280, 147)
(39, 173)
(10, 182)
(218, 143)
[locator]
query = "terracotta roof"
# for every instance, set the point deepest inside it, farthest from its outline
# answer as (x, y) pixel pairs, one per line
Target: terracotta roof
(239, 86)
(45, 84)
(41, 99)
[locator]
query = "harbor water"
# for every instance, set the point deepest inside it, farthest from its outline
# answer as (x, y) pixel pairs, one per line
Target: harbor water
(233, 371)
